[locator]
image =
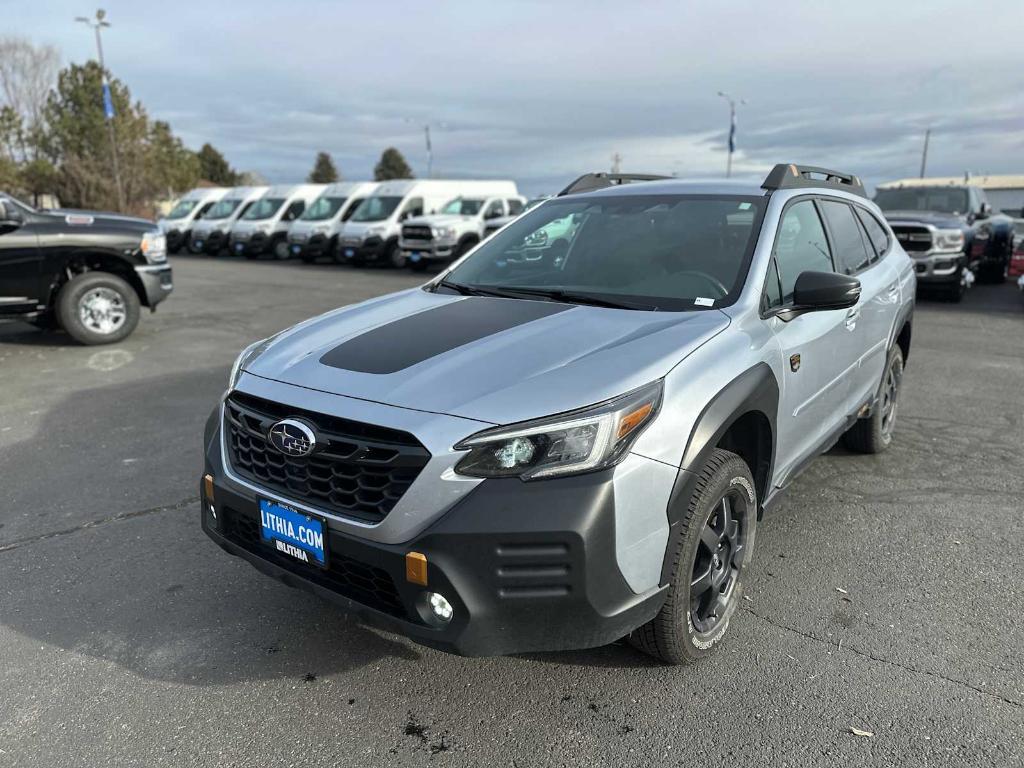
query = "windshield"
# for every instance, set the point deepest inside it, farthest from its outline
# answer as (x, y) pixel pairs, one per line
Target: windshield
(462, 207)
(664, 252)
(376, 208)
(323, 208)
(941, 199)
(263, 208)
(223, 209)
(182, 209)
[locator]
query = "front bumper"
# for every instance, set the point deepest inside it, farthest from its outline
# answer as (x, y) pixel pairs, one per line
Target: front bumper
(370, 249)
(313, 247)
(212, 242)
(939, 268)
(157, 282)
(256, 244)
(423, 251)
(526, 566)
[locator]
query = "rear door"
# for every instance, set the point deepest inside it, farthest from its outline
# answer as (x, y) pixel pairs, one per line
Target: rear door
(816, 348)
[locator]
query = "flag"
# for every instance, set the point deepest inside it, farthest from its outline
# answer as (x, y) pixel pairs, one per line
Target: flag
(108, 101)
(732, 131)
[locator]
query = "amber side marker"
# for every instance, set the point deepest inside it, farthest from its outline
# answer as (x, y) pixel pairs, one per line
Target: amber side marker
(416, 568)
(208, 487)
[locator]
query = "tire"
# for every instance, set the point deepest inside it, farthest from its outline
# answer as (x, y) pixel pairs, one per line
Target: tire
(696, 613)
(394, 257)
(874, 433)
(463, 247)
(97, 308)
(279, 249)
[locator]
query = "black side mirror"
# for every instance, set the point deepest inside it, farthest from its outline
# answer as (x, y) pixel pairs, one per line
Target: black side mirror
(985, 211)
(821, 291)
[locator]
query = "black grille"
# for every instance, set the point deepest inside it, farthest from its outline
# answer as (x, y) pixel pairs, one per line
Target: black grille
(358, 470)
(415, 232)
(356, 580)
(913, 238)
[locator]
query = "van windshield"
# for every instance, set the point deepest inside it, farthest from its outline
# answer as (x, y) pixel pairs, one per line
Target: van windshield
(323, 208)
(182, 209)
(223, 209)
(263, 208)
(650, 252)
(462, 207)
(376, 208)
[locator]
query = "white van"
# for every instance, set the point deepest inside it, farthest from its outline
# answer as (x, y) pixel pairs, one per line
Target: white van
(210, 233)
(316, 231)
(372, 234)
(264, 227)
(190, 207)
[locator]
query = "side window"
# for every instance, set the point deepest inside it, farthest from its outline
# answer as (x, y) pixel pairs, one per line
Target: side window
(515, 207)
(294, 210)
(352, 206)
(413, 207)
(850, 249)
(772, 288)
(495, 209)
(876, 233)
(202, 211)
(800, 246)
(244, 208)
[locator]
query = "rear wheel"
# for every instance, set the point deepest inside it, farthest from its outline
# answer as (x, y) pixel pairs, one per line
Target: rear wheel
(874, 433)
(97, 308)
(713, 548)
(394, 256)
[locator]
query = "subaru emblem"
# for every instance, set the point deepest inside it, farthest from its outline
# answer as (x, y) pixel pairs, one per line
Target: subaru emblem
(292, 437)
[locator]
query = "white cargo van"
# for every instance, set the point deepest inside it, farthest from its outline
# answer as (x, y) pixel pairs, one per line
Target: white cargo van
(263, 229)
(372, 234)
(316, 231)
(210, 233)
(190, 207)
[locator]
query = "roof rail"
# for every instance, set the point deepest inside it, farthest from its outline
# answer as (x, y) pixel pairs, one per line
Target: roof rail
(588, 182)
(792, 176)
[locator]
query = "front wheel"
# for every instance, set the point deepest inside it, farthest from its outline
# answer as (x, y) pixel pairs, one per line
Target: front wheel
(873, 434)
(712, 550)
(395, 256)
(97, 308)
(280, 250)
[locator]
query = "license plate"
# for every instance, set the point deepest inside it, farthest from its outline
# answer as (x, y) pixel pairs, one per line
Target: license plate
(349, 253)
(414, 256)
(239, 247)
(293, 533)
(199, 243)
(296, 249)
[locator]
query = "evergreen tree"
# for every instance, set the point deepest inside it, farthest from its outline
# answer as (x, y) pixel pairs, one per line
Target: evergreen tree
(392, 166)
(324, 170)
(214, 167)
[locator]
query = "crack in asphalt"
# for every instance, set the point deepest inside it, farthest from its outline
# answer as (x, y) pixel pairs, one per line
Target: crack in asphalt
(11, 545)
(882, 660)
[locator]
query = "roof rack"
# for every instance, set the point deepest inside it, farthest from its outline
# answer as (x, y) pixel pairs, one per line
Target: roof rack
(588, 182)
(792, 176)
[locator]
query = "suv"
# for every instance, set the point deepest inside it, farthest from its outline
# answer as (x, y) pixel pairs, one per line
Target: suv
(85, 272)
(951, 232)
(534, 452)
(457, 227)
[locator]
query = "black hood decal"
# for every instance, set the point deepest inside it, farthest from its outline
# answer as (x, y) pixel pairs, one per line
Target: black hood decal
(413, 339)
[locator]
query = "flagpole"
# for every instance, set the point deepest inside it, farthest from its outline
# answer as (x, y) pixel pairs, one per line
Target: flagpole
(732, 130)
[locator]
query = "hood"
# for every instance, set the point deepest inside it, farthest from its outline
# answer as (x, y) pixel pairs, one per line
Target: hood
(935, 218)
(97, 220)
(490, 359)
(439, 220)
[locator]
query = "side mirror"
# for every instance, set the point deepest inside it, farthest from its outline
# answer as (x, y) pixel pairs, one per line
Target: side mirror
(985, 211)
(822, 291)
(10, 217)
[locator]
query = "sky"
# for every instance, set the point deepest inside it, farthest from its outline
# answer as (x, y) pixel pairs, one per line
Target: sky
(541, 92)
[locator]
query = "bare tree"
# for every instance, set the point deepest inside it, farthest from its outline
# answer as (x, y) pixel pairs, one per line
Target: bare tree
(27, 73)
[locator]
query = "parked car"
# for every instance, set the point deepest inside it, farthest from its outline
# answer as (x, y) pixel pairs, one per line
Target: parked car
(190, 208)
(522, 457)
(372, 233)
(263, 229)
(1016, 268)
(211, 233)
(87, 273)
(315, 233)
(460, 224)
(949, 231)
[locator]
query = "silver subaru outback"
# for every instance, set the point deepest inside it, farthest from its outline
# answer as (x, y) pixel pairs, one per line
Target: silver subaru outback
(570, 435)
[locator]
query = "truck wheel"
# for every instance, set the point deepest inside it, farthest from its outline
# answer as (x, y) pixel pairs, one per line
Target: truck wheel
(463, 247)
(280, 250)
(395, 256)
(874, 433)
(713, 549)
(97, 308)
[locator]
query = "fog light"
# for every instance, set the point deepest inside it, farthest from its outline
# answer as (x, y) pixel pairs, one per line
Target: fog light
(440, 607)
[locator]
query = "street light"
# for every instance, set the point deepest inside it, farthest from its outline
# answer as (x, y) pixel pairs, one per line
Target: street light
(732, 129)
(430, 146)
(108, 101)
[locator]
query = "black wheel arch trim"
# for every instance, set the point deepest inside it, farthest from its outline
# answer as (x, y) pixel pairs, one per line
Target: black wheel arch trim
(756, 390)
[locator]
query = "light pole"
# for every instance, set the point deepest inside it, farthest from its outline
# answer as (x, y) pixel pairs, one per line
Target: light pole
(108, 101)
(732, 129)
(430, 145)
(924, 152)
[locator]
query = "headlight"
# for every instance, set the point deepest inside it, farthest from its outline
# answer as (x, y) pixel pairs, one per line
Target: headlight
(949, 239)
(154, 247)
(572, 443)
(321, 230)
(264, 228)
(375, 231)
(444, 233)
(249, 354)
(225, 227)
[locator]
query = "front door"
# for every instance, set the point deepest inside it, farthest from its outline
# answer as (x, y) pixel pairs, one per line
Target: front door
(19, 260)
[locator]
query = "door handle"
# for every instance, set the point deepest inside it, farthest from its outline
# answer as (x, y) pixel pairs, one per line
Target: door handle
(851, 318)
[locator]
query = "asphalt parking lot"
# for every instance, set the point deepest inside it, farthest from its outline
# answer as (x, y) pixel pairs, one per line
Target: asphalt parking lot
(887, 593)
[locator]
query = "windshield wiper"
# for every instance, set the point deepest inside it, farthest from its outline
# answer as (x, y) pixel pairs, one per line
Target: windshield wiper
(474, 290)
(576, 297)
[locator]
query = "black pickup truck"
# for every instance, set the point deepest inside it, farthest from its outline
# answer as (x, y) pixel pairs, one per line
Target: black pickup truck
(85, 272)
(949, 230)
